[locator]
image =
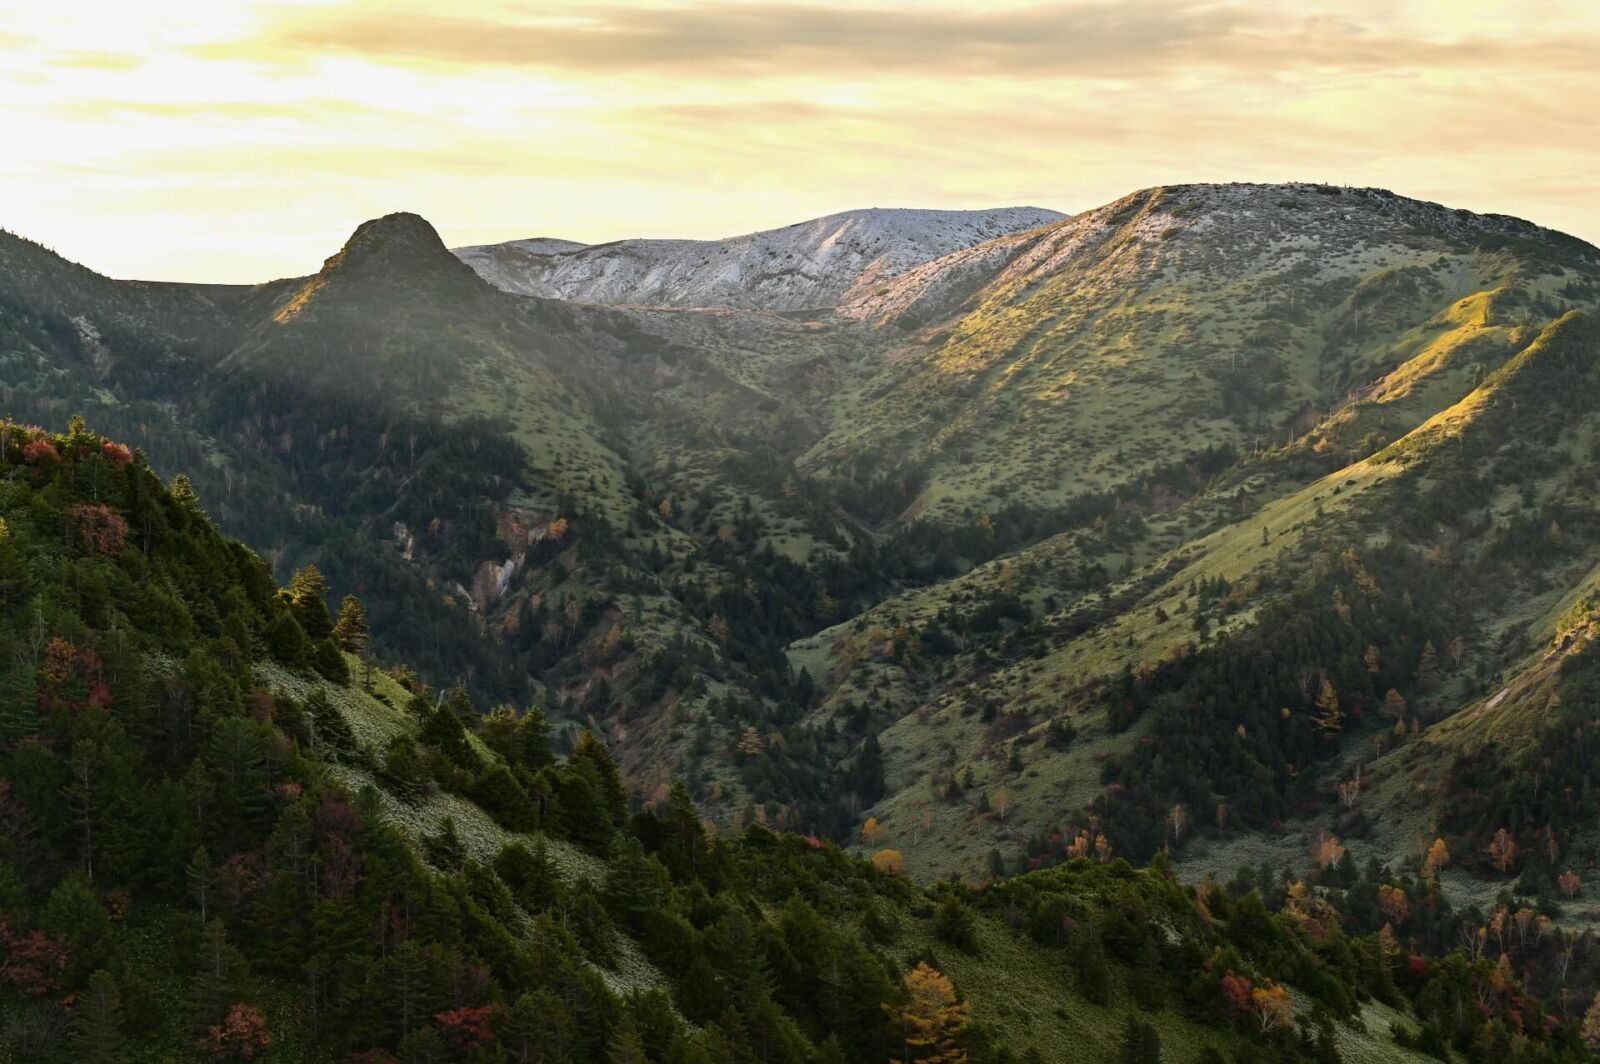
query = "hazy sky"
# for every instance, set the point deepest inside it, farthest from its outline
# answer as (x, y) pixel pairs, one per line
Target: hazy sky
(241, 140)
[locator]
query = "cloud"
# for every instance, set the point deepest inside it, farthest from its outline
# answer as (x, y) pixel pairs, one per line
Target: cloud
(89, 59)
(1098, 39)
(281, 123)
(222, 110)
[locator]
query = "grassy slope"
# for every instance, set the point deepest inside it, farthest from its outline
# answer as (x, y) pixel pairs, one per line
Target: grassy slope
(933, 731)
(1021, 988)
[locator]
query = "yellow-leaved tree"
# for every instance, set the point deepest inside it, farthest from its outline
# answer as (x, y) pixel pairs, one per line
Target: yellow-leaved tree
(1591, 1024)
(1330, 718)
(931, 1019)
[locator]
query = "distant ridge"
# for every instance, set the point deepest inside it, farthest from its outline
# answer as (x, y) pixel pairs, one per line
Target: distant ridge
(808, 265)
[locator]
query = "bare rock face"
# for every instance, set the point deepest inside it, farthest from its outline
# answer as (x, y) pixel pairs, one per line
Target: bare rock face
(806, 266)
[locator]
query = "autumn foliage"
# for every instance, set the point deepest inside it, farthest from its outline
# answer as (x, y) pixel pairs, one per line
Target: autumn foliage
(890, 862)
(101, 530)
(33, 961)
(242, 1035)
(1236, 994)
(468, 1028)
(931, 1019)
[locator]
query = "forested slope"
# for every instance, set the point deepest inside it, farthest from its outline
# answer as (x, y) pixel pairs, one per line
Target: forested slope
(227, 836)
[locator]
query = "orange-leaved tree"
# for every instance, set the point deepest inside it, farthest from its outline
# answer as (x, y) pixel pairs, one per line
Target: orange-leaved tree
(931, 1019)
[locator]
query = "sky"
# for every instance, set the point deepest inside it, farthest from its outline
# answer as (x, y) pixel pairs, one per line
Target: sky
(242, 140)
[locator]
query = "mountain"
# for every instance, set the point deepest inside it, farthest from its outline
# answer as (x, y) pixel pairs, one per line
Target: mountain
(1200, 435)
(1141, 333)
(228, 836)
(806, 266)
(1248, 525)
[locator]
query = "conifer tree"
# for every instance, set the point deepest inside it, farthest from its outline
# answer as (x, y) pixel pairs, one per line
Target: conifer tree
(538, 1029)
(350, 630)
(15, 580)
(1141, 1043)
(591, 753)
(1428, 667)
(931, 1019)
(445, 847)
(97, 1022)
(184, 495)
(308, 598)
(219, 975)
(201, 878)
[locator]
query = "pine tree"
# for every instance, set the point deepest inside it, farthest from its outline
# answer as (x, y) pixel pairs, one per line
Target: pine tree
(15, 579)
(445, 848)
(1094, 975)
(425, 1045)
(184, 495)
(626, 1047)
(405, 769)
(538, 1029)
(308, 598)
(531, 874)
(97, 1022)
(684, 845)
(219, 977)
(591, 754)
(1428, 667)
(954, 923)
(1141, 1042)
(201, 878)
(350, 630)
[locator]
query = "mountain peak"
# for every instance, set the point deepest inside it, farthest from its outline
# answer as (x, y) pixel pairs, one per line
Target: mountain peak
(399, 234)
(384, 255)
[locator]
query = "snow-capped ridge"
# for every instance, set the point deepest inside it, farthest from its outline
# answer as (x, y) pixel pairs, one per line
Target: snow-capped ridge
(809, 265)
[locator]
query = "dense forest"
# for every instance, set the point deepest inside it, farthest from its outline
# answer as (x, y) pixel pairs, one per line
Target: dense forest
(222, 840)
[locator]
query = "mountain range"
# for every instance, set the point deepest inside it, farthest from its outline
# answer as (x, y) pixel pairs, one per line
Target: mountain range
(822, 263)
(1245, 528)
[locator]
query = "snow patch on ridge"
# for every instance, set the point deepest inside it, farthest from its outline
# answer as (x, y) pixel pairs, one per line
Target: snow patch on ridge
(806, 266)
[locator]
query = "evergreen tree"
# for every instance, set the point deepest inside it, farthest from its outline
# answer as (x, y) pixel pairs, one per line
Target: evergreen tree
(97, 1036)
(955, 924)
(636, 885)
(184, 495)
(405, 770)
(201, 878)
(444, 847)
(531, 874)
(1141, 1042)
(308, 598)
(1094, 975)
(219, 978)
(538, 1029)
(590, 755)
(626, 1047)
(15, 578)
(350, 630)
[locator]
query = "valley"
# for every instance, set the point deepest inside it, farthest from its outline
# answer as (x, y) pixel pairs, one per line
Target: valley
(1247, 533)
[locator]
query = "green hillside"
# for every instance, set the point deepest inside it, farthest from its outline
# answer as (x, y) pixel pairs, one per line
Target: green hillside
(1216, 522)
(229, 836)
